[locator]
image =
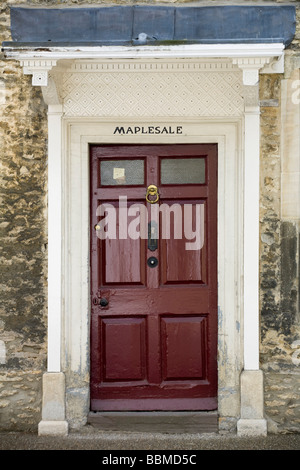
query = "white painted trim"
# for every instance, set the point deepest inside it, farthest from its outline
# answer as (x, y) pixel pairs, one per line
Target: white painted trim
(141, 52)
(54, 237)
(227, 134)
(251, 241)
(250, 57)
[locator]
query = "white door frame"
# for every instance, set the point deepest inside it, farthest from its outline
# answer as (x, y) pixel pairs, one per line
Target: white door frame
(76, 312)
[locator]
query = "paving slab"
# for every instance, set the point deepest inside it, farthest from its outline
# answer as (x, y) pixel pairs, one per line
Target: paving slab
(91, 439)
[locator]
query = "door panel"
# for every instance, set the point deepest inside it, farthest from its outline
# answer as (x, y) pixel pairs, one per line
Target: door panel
(129, 270)
(128, 253)
(187, 241)
(154, 339)
(190, 364)
(123, 349)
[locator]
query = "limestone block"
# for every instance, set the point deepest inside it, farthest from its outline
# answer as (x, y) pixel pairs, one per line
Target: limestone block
(252, 396)
(53, 428)
(252, 427)
(53, 396)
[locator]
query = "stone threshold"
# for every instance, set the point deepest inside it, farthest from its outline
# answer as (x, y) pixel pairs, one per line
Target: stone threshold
(156, 421)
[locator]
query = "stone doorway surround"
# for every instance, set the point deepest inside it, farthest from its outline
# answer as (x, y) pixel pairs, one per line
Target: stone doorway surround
(213, 95)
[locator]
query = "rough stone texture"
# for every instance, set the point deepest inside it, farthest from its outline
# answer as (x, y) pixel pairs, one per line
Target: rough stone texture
(23, 252)
(279, 278)
(282, 398)
(20, 399)
(23, 248)
(270, 204)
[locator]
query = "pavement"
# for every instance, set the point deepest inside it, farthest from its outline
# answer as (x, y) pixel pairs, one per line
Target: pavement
(94, 439)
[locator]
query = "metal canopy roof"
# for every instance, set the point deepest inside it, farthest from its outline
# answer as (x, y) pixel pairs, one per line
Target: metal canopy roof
(153, 25)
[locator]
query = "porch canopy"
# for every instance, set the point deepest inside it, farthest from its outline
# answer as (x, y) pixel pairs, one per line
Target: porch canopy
(152, 25)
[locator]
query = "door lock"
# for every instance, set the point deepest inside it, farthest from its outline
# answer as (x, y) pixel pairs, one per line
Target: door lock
(103, 302)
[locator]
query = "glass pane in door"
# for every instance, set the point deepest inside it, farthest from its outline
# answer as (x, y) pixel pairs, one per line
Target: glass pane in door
(122, 172)
(182, 171)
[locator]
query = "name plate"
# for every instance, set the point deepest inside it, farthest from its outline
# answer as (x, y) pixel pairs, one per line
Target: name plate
(139, 130)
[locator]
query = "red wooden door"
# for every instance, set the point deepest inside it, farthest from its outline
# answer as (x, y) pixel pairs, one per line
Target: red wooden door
(154, 298)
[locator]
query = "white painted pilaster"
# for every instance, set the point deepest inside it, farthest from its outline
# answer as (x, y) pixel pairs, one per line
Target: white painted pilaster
(54, 237)
(53, 408)
(251, 235)
(250, 68)
(252, 421)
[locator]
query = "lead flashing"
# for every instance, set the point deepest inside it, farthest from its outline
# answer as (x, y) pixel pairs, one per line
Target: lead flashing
(143, 25)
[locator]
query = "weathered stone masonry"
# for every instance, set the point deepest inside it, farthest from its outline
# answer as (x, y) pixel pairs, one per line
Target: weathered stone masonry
(279, 262)
(23, 226)
(23, 229)
(279, 277)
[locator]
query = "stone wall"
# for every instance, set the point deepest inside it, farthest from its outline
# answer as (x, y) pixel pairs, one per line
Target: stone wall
(23, 148)
(23, 255)
(279, 264)
(279, 288)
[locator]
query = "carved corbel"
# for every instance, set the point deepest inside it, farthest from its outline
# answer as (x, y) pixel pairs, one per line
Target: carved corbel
(251, 67)
(275, 65)
(51, 92)
(39, 70)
